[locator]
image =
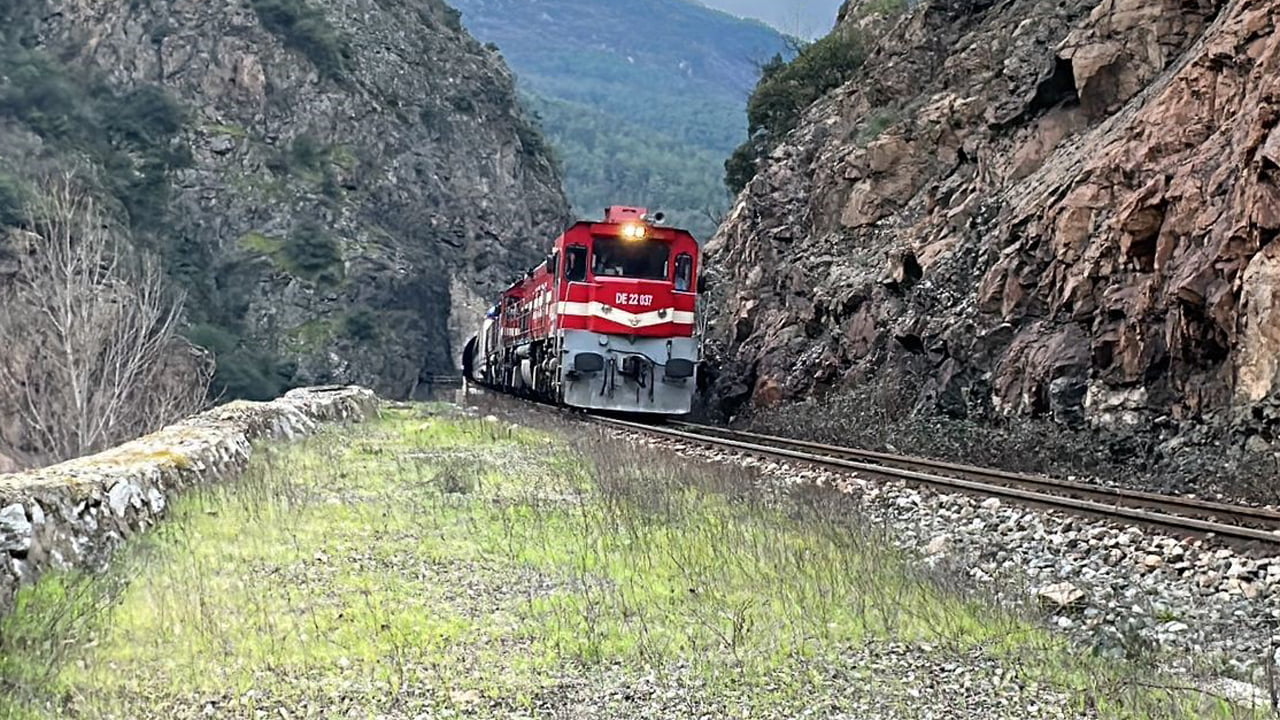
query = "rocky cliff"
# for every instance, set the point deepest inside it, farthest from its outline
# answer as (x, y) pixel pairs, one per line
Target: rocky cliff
(338, 183)
(1024, 208)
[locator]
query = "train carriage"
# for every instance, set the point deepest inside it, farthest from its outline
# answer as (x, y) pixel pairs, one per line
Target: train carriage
(608, 322)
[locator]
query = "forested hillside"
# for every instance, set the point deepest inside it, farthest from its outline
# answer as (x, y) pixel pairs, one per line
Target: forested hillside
(642, 100)
(803, 18)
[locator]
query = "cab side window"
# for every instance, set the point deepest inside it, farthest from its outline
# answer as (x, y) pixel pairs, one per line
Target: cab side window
(684, 272)
(575, 266)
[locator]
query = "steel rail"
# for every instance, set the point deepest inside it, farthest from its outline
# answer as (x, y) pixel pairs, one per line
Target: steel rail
(1162, 521)
(1206, 509)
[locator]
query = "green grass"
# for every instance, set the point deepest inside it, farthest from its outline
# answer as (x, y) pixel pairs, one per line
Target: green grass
(433, 564)
(234, 131)
(876, 123)
(260, 244)
(309, 253)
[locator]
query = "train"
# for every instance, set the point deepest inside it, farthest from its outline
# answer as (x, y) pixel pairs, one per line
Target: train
(608, 322)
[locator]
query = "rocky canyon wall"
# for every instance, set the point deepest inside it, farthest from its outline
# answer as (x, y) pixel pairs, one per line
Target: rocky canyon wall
(1027, 208)
(331, 182)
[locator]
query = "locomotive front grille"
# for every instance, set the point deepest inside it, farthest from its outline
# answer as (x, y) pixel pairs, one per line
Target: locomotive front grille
(588, 362)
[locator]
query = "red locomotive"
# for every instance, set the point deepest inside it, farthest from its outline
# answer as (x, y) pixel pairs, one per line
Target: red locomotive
(608, 322)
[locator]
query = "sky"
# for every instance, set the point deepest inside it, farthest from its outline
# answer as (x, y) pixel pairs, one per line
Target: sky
(803, 18)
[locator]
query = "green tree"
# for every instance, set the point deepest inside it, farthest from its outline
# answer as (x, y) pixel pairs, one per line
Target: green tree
(786, 90)
(306, 30)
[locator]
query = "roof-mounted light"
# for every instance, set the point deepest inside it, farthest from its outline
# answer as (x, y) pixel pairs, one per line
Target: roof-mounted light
(634, 231)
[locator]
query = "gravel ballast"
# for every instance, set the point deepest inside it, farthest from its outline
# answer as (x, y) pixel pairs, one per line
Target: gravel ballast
(1187, 605)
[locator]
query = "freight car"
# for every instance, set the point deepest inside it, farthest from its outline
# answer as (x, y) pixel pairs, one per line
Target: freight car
(608, 322)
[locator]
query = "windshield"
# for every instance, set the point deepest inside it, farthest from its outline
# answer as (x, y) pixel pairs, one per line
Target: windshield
(641, 259)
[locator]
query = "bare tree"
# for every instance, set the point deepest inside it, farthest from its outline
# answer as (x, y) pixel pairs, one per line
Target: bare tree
(714, 214)
(91, 353)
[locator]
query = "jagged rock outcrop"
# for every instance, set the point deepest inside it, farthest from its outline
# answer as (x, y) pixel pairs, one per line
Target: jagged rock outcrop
(354, 176)
(1057, 209)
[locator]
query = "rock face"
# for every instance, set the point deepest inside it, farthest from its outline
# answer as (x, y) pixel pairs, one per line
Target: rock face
(359, 171)
(1056, 209)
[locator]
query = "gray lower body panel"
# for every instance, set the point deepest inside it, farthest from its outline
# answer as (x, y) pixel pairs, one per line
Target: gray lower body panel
(637, 373)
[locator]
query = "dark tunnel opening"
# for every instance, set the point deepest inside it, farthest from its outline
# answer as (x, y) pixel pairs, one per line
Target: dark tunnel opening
(1058, 88)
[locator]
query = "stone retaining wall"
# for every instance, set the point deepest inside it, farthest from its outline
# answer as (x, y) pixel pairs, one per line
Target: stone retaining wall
(72, 515)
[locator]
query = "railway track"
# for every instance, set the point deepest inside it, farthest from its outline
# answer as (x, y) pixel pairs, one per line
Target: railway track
(1253, 528)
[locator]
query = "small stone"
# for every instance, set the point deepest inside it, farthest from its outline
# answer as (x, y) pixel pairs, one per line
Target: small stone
(37, 515)
(464, 697)
(1243, 693)
(938, 546)
(121, 496)
(991, 504)
(15, 530)
(1151, 562)
(1239, 568)
(1062, 595)
(222, 145)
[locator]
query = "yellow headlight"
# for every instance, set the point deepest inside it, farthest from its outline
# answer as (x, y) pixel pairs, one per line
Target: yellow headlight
(634, 232)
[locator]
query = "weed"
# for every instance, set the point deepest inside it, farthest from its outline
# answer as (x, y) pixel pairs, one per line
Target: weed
(877, 122)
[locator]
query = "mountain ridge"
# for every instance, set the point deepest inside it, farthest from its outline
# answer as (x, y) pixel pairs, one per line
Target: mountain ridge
(673, 70)
(807, 19)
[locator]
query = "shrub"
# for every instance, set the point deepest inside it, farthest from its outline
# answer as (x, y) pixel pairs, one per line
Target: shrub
(306, 30)
(13, 201)
(145, 117)
(215, 339)
(241, 372)
(876, 123)
(786, 90)
(312, 253)
(39, 93)
(887, 8)
(741, 166)
(307, 153)
(452, 18)
(362, 325)
(251, 375)
(134, 136)
(532, 141)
